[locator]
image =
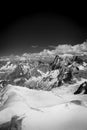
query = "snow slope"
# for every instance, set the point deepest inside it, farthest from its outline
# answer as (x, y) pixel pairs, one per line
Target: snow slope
(43, 110)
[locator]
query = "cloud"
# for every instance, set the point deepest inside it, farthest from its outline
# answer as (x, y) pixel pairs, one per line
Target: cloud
(64, 49)
(79, 48)
(52, 46)
(34, 46)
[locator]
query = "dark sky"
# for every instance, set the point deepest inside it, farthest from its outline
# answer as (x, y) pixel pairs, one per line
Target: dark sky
(20, 29)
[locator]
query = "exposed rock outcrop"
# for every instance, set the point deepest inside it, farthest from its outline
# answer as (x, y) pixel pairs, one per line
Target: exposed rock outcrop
(82, 89)
(56, 63)
(14, 124)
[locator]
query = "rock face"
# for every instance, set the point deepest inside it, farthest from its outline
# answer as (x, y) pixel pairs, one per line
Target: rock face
(14, 124)
(66, 67)
(56, 63)
(78, 59)
(82, 89)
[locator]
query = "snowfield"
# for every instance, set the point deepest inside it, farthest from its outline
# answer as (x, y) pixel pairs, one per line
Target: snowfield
(42, 110)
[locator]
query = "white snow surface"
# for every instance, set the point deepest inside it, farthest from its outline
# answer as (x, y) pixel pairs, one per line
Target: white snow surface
(8, 67)
(42, 110)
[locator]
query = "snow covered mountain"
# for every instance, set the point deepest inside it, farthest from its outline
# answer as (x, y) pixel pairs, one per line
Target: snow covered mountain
(44, 90)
